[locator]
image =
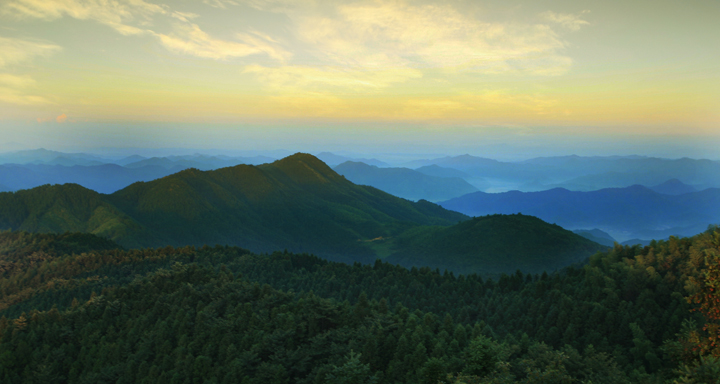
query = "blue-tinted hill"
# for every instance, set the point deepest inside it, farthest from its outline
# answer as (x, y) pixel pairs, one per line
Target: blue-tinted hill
(405, 182)
(632, 212)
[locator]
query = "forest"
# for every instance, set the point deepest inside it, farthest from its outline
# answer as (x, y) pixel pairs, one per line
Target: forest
(77, 308)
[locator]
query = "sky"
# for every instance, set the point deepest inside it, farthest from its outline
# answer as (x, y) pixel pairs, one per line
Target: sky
(497, 78)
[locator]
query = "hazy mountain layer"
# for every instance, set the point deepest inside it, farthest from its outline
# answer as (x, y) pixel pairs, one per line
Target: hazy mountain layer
(405, 182)
(106, 178)
(597, 236)
(438, 171)
(581, 173)
(632, 212)
(332, 160)
(673, 187)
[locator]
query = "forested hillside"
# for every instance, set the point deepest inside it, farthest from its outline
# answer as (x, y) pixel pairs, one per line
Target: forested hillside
(300, 204)
(297, 203)
(493, 244)
(82, 311)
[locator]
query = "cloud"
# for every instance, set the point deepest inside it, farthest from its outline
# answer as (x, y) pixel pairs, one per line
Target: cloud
(384, 34)
(190, 39)
(16, 81)
(62, 118)
(567, 20)
(15, 51)
(16, 96)
(184, 16)
(132, 17)
(319, 79)
(115, 14)
(220, 3)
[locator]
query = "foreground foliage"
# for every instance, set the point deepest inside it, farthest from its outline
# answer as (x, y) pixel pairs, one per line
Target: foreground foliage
(78, 309)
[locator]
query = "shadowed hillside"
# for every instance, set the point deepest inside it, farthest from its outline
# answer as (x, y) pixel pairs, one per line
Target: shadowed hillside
(493, 244)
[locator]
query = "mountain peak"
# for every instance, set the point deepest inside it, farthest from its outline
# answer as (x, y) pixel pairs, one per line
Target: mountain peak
(673, 187)
(304, 168)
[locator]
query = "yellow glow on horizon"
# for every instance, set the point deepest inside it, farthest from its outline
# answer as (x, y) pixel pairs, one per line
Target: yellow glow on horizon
(393, 61)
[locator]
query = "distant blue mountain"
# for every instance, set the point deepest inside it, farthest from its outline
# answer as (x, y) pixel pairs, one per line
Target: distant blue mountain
(130, 160)
(596, 235)
(332, 160)
(631, 212)
(201, 162)
(404, 182)
(581, 173)
(106, 178)
(673, 187)
(462, 162)
(438, 171)
(44, 156)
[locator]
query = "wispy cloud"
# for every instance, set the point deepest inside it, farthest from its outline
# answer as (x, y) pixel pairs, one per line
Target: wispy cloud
(134, 17)
(567, 20)
(13, 95)
(319, 79)
(220, 3)
(383, 34)
(190, 39)
(14, 51)
(184, 16)
(116, 14)
(14, 88)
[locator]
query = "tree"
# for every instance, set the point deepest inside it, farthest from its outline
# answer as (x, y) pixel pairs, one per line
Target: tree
(352, 372)
(482, 356)
(708, 299)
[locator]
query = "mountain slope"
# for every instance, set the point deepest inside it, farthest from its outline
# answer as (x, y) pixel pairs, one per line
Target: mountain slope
(596, 235)
(297, 203)
(405, 182)
(493, 244)
(69, 207)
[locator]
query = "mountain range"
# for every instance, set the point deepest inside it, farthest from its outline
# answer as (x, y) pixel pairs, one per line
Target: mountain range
(297, 203)
(405, 182)
(624, 213)
(577, 173)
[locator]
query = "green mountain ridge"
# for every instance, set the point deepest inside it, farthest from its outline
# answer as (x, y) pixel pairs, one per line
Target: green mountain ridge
(493, 244)
(296, 203)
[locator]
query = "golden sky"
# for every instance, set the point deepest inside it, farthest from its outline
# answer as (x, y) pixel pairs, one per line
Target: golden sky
(640, 67)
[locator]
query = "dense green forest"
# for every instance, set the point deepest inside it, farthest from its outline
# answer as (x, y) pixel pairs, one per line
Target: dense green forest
(77, 308)
(493, 244)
